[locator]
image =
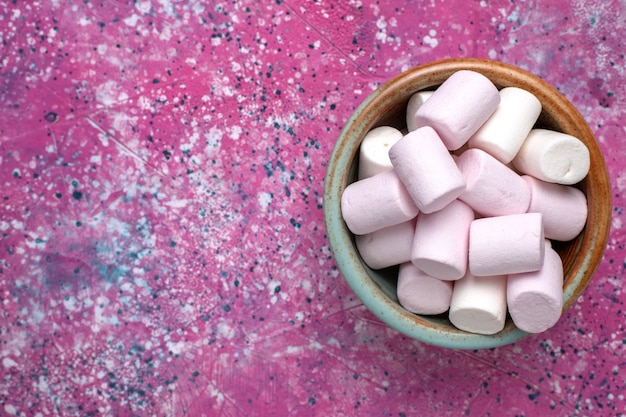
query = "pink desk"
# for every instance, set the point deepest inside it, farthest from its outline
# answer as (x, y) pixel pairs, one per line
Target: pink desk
(162, 247)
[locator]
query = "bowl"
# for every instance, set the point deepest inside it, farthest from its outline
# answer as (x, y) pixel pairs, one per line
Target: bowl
(386, 107)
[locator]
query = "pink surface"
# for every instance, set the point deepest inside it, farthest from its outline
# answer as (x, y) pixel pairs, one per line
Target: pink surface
(163, 249)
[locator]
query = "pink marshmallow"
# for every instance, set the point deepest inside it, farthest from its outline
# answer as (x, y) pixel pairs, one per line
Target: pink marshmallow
(440, 245)
(492, 188)
(535, 299)
(427, 170)
(375, 203)
(420, 293)
(506, 244)
(563, 207)
(388, 246)
(458, 108)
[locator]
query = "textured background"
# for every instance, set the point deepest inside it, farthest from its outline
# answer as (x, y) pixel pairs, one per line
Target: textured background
(163, 249)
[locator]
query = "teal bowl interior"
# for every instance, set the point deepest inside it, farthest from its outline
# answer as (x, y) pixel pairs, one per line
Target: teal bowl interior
(386, 107)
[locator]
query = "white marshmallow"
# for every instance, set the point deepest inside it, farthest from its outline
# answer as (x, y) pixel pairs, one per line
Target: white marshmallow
(506, 244)
(420, 293)
(441, 241)
(427, 170)
(388, 246)
(374, 151)
(458, 108)
(492, 188)
(535, 299)
(478, 304)
(415, 102)
(553, 156)
(504, 132)
(375, 203)
(563, 208)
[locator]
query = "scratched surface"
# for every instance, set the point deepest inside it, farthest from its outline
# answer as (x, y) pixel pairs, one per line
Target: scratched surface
(163, 249)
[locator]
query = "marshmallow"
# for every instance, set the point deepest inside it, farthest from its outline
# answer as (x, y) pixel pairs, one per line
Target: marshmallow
(535, 299)
(420, 293)
(415, 102)
(455, 154)
(506, 244)
(504, 132)
(375, 203)
(374, 151)
(478, 304)
(427, 170)
(563, 208)
(492, 188)
(441, 241)
(553, 157)
(388, 246)
(458, 108)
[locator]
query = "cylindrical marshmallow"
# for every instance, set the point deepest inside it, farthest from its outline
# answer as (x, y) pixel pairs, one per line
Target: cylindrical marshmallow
(427, 170)
(376, 202)
(478, 304)
(563, 208)
(459, 151)
(506, 244)
(504, 132)
(441, 241)
(553, 156)
(492, 188)
(458, 108)
(388, 246)
(420, 293)
(415, 102)
(535, 299)
(374, 151)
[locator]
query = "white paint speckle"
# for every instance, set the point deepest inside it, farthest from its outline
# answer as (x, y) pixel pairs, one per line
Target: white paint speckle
(8, 362)
(213, 137)
(264, 199)
(621, 181)
(131, 20)
(10, 409)
(177, 203)
(235, 132)
(617, 223)
(513, 17)
(432, 42)
(144, 103)
(69, 303)
(105, 93)
(143, 6)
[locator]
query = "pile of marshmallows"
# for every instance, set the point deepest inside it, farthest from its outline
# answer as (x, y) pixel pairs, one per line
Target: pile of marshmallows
(467, 203)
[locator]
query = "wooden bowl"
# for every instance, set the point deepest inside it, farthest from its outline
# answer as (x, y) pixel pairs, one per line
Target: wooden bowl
(387, 107)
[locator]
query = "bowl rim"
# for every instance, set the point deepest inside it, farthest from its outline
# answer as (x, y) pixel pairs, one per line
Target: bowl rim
(363, 119)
